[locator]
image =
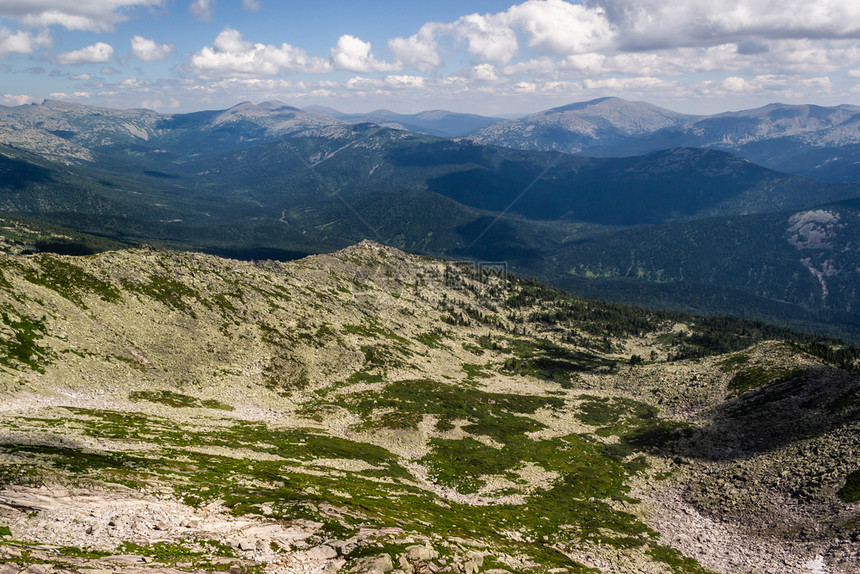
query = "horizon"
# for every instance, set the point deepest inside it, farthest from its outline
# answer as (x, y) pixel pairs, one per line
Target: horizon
(489, 57)
(331, 108)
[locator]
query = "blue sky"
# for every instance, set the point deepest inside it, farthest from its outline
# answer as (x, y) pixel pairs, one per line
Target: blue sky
(488, 57)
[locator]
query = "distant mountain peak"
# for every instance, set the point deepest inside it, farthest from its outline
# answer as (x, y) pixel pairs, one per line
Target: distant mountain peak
(587, 104)
(579, 126)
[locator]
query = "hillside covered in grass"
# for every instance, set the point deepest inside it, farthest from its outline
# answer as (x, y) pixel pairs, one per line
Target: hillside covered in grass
(373, 411)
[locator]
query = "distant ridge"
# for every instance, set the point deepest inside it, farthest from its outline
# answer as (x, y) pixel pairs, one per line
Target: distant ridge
(815, 141)
(440, 123)
(581, 126)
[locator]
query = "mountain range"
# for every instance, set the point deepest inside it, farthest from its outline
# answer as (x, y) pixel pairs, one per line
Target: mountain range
(689, 228)
(808, 140)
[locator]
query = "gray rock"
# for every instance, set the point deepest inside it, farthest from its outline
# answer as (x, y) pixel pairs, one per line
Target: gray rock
(373, 565)
(423, 553)
(323, 552)
(404, 564)
(472, 564)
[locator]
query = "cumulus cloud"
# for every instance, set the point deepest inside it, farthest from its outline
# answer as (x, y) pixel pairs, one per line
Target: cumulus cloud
(202, 9)
(353, 54)
(485, 72)
(404, 81)
(655, 24)
(148, 51)
(70, 96)
(419, 51)
(488, 38)
(668, 36)
(230, 55)
(557, 26)
(362, 83)
(525, 87)
(561, 27)
(770, 85)
(534, 49)
(91, 15)
(21, 42)
(98, 53)
(16, 99)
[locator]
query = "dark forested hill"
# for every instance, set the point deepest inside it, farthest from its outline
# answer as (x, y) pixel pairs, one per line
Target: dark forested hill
(698, 229)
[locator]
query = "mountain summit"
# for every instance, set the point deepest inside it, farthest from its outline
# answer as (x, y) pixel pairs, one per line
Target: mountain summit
(581, 126)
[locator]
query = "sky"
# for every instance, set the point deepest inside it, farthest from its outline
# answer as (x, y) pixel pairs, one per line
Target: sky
(487, 57)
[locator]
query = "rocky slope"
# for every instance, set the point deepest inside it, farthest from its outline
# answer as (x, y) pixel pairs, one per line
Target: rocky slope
(372, 411)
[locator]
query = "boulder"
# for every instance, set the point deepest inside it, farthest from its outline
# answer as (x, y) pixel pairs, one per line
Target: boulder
(422, 553)
(471, 564)
(373, 565)
(323, 552)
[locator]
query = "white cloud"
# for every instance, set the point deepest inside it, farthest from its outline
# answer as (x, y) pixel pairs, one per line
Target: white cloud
(70, 96)
(16, 100)
(671, 37)
(158, 104)
(404, 81)
(485, 72)
(418, 51)
(625, 84)
(488, 37)
(735, 84)
(646, 24)
(353, 54)
(148, 51)
(362, 83)
(92, 15)
(773, 86)
(534, 52)
(231, 55)
(561, 27)
(527, 87)
(202, 9)
(98, 53)
(131, 82)
(21, 42)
